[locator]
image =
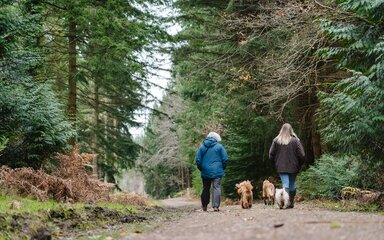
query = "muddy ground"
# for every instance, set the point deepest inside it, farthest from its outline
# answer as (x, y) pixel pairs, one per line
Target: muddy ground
(63, 222)
(266, 222)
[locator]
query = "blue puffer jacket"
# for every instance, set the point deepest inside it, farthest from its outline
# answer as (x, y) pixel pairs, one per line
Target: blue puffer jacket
(213, 162)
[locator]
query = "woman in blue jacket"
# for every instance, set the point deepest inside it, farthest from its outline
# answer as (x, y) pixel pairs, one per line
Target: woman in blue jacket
(211, 160)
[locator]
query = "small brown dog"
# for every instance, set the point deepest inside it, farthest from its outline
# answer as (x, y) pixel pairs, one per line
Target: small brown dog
(268, 193)
(244, 189)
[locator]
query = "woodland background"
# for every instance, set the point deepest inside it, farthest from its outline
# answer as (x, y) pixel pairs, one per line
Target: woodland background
(70, 72)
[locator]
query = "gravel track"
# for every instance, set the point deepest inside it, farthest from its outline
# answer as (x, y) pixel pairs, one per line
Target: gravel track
(266, 222)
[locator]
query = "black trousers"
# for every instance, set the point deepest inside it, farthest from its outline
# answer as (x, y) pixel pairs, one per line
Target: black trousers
(216, 193)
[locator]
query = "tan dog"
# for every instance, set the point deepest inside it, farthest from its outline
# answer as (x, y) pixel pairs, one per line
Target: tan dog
(268, 193)
(244, 189)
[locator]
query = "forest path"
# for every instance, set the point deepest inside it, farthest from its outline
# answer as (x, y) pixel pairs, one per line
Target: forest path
(267, 222)
(180, 202)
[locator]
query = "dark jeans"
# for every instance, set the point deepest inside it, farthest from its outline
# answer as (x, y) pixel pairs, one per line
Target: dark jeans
(216, 193)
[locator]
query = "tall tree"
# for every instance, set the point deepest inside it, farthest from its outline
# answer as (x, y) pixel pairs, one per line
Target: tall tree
(245, 69)
(220, 94)
(352, 112)
(30, 115)
(72, 71)
(94, 48)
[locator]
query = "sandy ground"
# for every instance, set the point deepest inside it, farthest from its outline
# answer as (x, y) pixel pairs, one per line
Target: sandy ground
(266, 222)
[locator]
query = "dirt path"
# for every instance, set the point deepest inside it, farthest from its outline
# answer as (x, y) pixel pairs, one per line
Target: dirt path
(180, 203)
(262, 222)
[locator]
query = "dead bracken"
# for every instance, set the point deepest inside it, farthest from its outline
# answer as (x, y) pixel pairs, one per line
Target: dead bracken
(70, 183)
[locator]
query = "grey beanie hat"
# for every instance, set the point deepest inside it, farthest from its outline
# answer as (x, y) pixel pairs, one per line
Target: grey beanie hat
(214, 136)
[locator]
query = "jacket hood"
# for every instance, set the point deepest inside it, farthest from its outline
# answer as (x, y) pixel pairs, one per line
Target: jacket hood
(214, 135)
(209, 142)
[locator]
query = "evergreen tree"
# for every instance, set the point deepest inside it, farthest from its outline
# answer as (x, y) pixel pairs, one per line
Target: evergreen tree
(91, 50)
(245, 69)
(352, 112)
(31, 119)
(220, 92)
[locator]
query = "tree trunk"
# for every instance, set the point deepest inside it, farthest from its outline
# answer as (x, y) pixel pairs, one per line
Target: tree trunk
(72, 70)
(316, 142)
(96, 114)
(182, 177)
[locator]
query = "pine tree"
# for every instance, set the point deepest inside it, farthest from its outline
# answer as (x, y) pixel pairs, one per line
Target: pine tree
(353, 110)
(213, 77)
(91, 50)
(31, 119)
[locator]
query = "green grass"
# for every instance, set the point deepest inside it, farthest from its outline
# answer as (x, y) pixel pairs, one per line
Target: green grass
(350, 206)
(27, 204)
(118, 206)
(30, 205)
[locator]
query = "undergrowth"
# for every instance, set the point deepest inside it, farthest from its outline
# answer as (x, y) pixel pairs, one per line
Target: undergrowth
(350, 206)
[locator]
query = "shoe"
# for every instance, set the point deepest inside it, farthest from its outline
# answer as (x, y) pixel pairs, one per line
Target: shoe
(204, 209)
(215, 209)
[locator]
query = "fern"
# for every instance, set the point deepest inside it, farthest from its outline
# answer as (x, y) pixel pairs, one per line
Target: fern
(328, 176)
(3, 143)
(351, 114)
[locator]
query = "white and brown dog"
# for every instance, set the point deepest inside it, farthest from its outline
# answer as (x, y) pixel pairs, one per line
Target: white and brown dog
(268, 193)
(244, 189)
(282, 198)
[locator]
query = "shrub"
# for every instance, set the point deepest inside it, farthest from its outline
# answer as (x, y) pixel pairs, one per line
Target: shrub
(33, 121)
(328, 176)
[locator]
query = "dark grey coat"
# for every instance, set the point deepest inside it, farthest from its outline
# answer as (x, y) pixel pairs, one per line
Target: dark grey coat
(287, 158)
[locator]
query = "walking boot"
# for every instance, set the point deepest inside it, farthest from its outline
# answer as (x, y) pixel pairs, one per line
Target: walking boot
(292, 195)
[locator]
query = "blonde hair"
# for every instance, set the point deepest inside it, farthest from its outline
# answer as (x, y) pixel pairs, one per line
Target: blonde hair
(285, 135)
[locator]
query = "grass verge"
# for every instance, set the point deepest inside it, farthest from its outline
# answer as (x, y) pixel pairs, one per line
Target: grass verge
(349, 206)
(45, 220)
